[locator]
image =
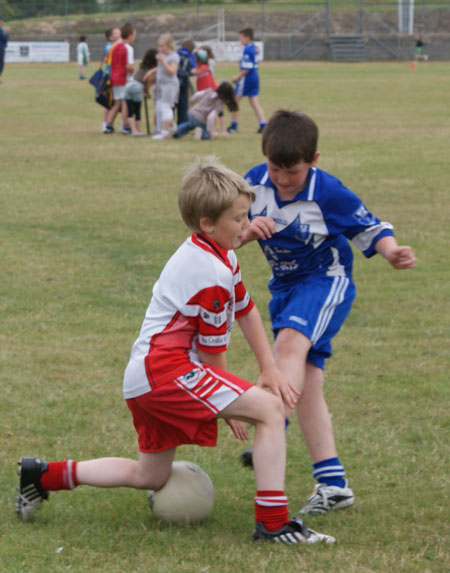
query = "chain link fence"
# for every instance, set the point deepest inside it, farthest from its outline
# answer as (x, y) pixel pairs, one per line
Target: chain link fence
(265, 16)
(290, 30)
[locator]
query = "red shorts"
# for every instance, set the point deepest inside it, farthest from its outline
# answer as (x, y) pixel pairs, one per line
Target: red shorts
(183, 411)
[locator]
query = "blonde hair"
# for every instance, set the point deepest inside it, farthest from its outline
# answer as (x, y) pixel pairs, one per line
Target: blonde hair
(208, 189)
(167, 40)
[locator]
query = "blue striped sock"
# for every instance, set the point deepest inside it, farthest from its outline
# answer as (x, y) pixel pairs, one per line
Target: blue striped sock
(330, 472)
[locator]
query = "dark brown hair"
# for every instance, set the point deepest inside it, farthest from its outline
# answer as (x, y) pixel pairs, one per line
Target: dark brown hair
(226, 93)
(247, 32)
(126, 30)
(290, 137)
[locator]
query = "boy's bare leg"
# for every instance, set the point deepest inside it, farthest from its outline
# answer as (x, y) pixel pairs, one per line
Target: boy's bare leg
(235, 114)
(291, 349)
(314, 417)
(124, 111)
(254, 102)
(114, 111)
(151, 471)
(266, 412)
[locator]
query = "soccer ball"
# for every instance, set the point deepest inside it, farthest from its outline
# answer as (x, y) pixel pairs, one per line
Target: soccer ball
(187, 497)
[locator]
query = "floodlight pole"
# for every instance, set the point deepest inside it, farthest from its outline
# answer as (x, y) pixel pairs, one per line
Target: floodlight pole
(406, 16)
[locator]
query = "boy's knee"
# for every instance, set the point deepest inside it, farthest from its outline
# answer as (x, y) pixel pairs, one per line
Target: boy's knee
(274, 409)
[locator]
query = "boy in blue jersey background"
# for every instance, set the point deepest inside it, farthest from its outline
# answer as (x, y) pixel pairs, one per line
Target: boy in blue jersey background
(303, 219)
(247, 80)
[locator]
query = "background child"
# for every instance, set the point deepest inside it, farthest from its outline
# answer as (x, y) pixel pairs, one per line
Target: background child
(186, 66)
(176, 384)
(167, 86)
(82, 56)
(208, 104)
(202, 72)
(122, 68)
(418, 51)
(138, 88)
(4, 37)
(112, 36)
(211, 59)
(303, 218)
(247, 80)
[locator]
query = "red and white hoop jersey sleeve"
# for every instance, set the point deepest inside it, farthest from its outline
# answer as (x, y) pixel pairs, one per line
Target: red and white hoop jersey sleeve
(194, 303)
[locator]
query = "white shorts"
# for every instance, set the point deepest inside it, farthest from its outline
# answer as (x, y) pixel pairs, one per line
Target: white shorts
(118, 92)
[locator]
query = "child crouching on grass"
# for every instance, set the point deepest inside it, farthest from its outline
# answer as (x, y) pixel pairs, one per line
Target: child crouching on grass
(208, 105)
(176, 384)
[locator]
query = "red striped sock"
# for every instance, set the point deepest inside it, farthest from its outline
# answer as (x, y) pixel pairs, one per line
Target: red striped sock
(60, 475)
(271, 508)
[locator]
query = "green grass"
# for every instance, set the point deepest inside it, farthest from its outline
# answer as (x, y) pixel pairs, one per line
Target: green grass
(86, 224)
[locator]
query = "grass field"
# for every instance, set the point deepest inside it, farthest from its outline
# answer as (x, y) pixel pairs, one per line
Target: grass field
(86, 224)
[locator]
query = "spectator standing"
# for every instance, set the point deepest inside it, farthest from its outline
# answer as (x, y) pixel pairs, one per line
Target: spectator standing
(205, 79)
(167, 86)
(4, 37)
(138, 88)
(83, 56)
(121, 56)
(112, 36)
(185, 68)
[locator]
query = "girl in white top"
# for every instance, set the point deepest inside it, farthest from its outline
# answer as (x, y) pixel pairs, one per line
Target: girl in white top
(83, 56)
(167, 86)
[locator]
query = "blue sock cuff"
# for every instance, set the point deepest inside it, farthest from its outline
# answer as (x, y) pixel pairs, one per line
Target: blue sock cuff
(327, 462)
(330, 472)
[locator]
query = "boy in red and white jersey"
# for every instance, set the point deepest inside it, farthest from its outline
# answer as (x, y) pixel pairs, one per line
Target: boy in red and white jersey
(121, 61)
(176, 384)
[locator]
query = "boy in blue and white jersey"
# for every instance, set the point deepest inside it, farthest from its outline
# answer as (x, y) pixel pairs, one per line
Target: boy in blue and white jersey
(247, 80)
(303, 219)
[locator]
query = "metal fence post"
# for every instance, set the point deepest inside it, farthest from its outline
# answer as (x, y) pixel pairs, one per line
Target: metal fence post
(263, 18)
(66, 9)
(360, 17)
(327, 16)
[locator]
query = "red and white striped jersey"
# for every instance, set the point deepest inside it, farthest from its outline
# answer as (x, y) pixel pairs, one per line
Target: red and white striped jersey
(194, 302)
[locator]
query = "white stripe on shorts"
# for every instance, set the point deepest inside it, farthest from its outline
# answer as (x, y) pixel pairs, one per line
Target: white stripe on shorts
(216, 392)
(335, 297)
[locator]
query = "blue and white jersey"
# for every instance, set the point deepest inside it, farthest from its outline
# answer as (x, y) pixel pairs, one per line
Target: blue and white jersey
(249, 60)
(313, 229)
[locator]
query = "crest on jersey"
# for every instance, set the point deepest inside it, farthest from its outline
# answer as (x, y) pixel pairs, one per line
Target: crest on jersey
(363, 216)
(262, 214)
(300, 230)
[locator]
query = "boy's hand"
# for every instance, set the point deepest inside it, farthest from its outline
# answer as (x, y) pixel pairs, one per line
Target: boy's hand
(260, 228)
(238, 428)
(398, 256)
(402, 257)
(279, 385)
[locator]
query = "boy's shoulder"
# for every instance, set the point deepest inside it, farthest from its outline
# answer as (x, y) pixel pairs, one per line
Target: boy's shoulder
(321, 185)
(192, 255)
(119, 49)
(259, 175)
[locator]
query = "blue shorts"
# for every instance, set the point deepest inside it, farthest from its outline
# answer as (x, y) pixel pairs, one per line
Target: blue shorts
(316, 307)
(247, 87)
